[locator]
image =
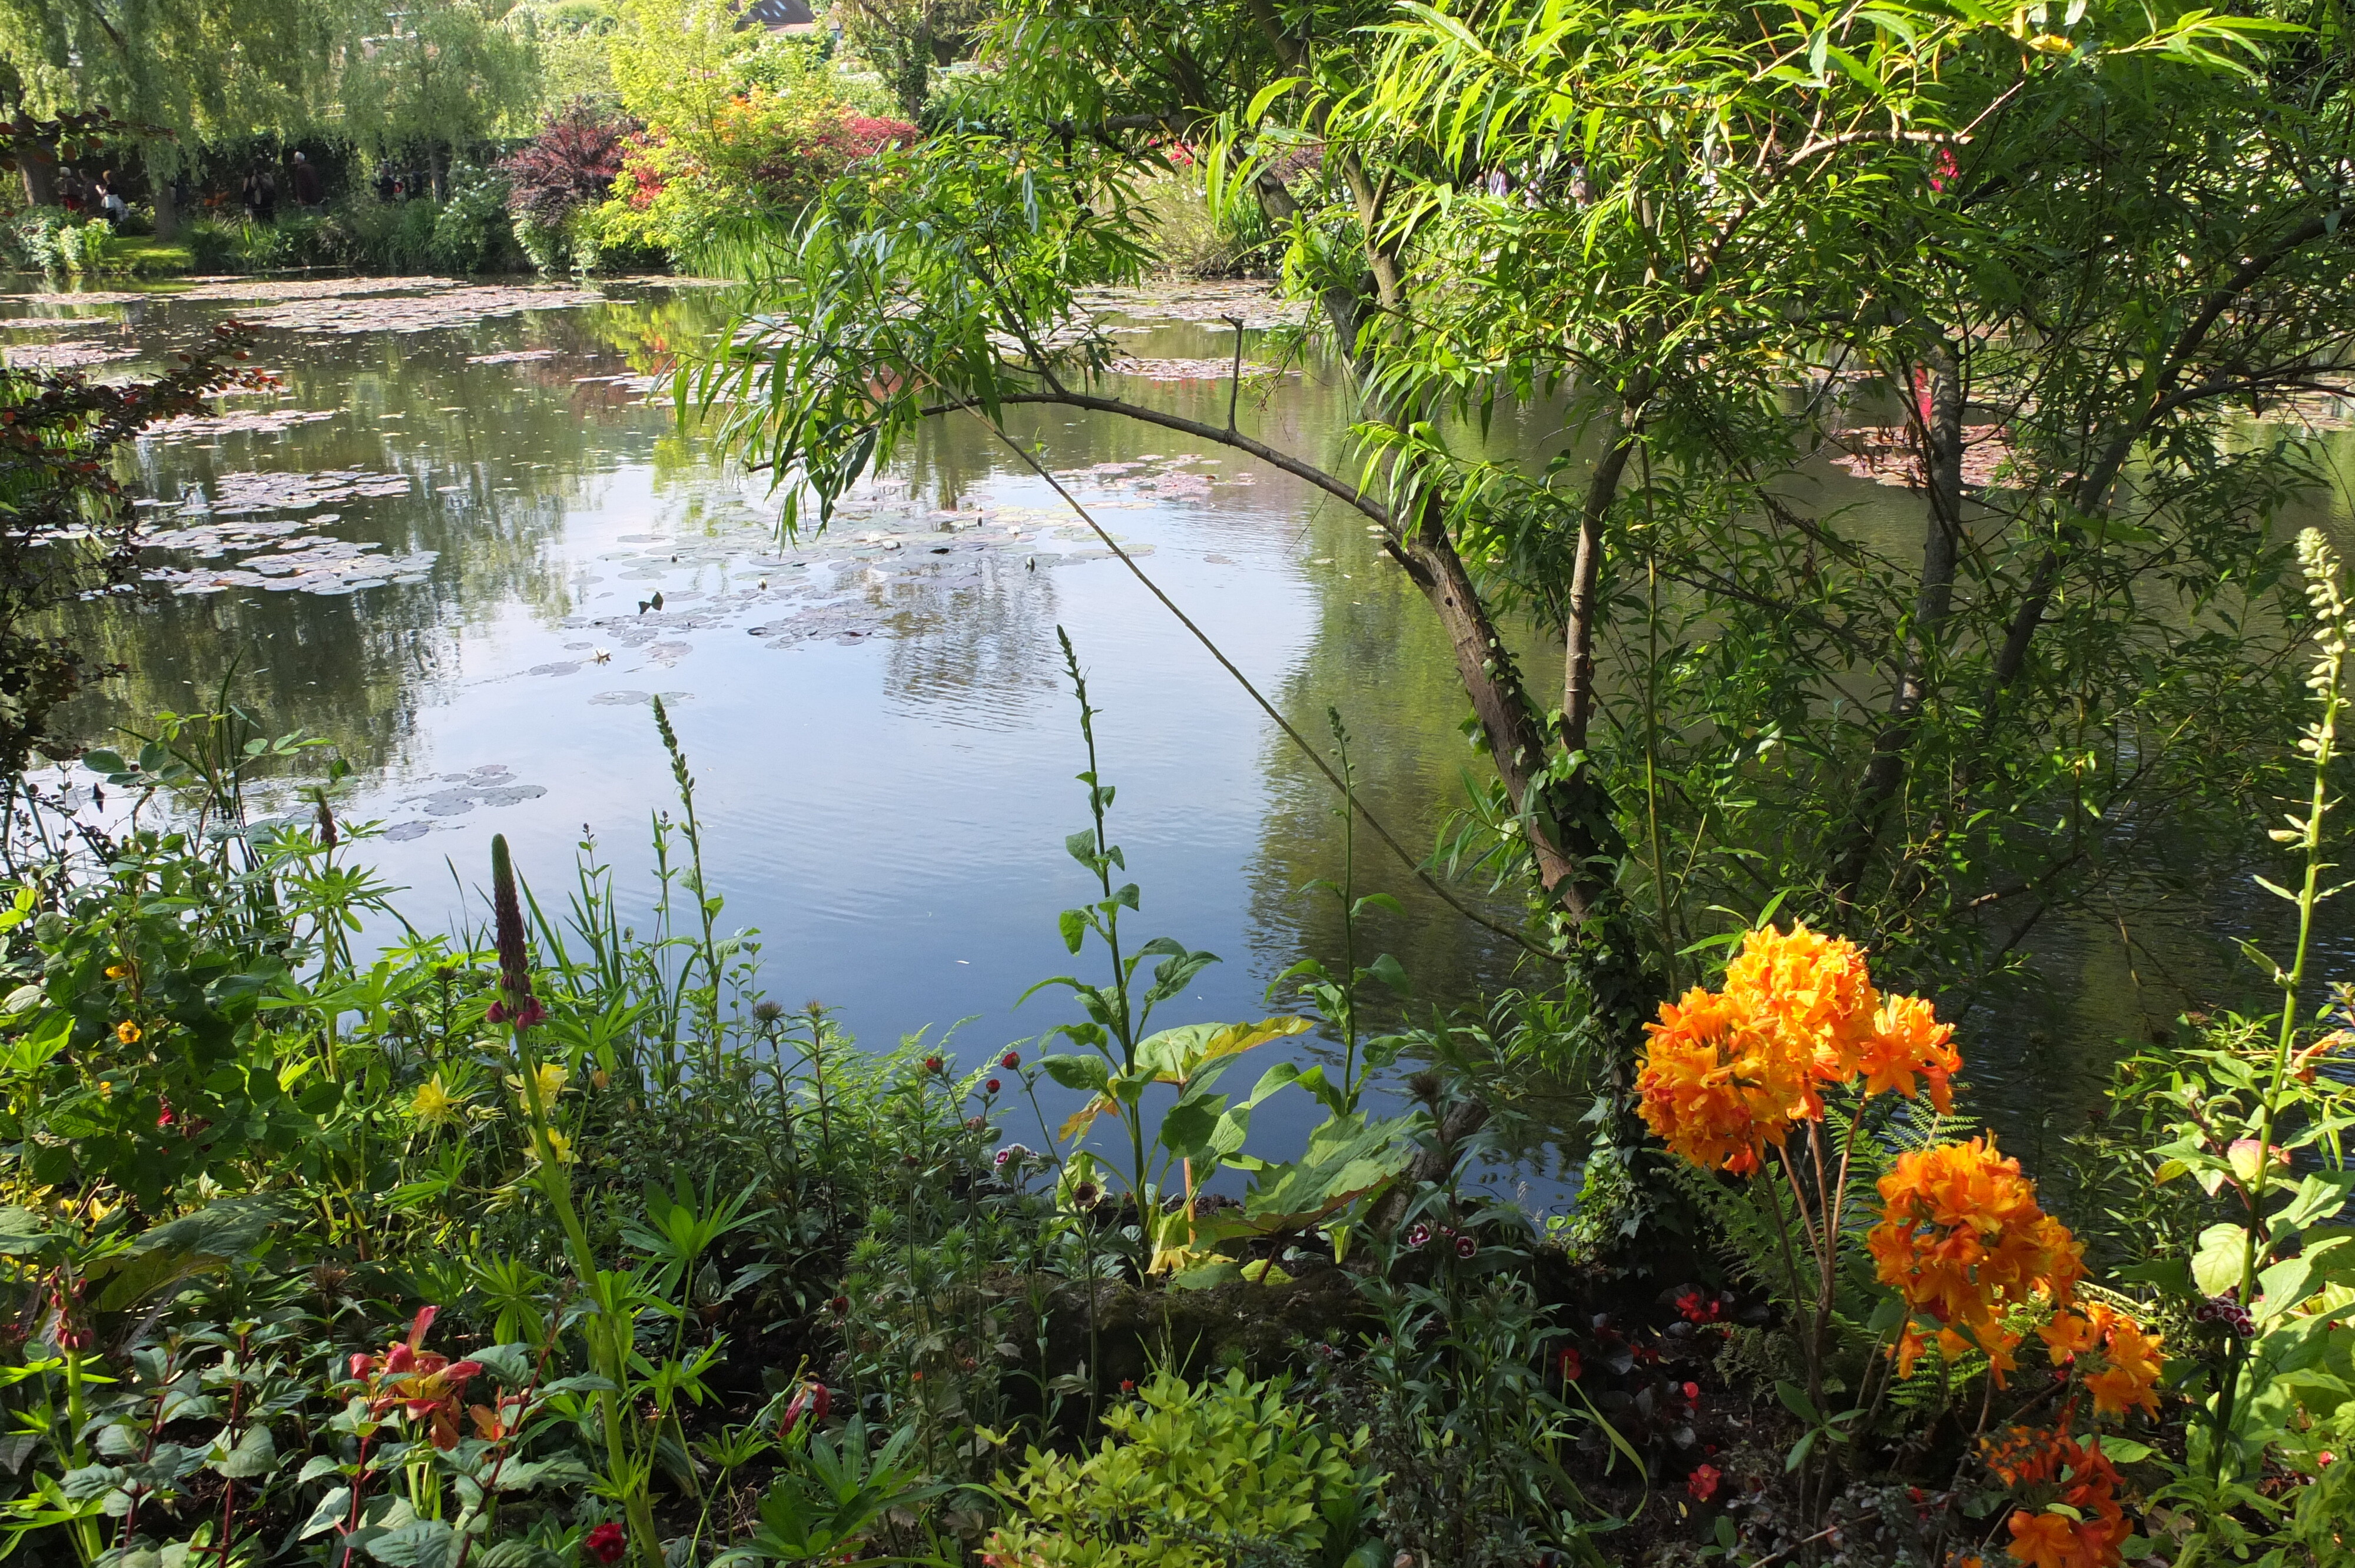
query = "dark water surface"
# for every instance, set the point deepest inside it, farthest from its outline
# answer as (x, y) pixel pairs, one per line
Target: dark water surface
(882, 737)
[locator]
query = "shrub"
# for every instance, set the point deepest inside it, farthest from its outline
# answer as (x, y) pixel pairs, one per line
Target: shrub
(570, 164)
(1190, 1478)
(470, 230)
(34, 234)
(762, 150)
(212, 245)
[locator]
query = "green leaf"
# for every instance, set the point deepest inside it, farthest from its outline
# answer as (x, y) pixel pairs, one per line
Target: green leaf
(420, 1544)
(1082, 1072)
(2319, 1197)
(331, 1511)
(2216, 1266)
(1074, 924)
(256, 1453)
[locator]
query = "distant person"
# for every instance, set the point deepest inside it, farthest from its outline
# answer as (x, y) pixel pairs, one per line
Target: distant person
(260, 196)
(111, 203)
(308, 191)
(387, 185)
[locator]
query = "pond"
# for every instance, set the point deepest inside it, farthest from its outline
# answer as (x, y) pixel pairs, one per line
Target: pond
(465, 543)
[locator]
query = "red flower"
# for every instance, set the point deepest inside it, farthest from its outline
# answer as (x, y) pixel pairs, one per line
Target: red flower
(607, 1542)
(815, 1401)
(1702, 1482)
(1572, 1366)
(991, 1086)
(932, 1064)
(426, 1386)
(1009, 1061)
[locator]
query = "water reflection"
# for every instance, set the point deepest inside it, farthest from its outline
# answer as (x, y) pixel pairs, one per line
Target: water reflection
(877, 721)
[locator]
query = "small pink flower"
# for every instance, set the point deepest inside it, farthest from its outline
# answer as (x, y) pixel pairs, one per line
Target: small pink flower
(1465, 1246)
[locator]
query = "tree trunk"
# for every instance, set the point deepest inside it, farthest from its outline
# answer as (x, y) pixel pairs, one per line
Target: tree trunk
(1586, 570)
(159, 185)
(38, 165)
(1939, 422)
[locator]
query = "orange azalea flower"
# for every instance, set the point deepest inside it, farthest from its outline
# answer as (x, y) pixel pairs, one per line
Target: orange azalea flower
(2054, 1467)
(1715, 1087)
(1907, 1039)
(2042, 1539)
(1963, 1241)
(1814, 988)
(2126, 1356)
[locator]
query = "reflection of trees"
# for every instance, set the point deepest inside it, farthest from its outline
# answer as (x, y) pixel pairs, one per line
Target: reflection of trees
(1380, 659)
(989, 647)
(496, 460)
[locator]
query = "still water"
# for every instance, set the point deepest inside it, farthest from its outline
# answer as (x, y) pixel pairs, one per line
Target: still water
(463, 543)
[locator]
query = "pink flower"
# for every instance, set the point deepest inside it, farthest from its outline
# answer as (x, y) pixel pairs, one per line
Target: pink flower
(1465, 1246)
(1944, 169)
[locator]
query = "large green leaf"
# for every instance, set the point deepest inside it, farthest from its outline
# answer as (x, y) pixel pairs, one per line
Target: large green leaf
(1347, 1159)
(1175, 1056)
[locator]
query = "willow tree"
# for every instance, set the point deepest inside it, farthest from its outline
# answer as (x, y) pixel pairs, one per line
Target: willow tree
(442, 75)
(198, 68)
(1705, 234)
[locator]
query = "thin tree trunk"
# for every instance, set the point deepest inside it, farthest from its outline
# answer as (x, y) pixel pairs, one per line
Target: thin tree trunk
(1939, 424)
(1586, 570)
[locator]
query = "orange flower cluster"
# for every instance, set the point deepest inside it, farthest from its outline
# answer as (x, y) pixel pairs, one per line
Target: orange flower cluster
(2125, 1357)
(1962, 1240)
(2054, 1468)
(1726, 1073)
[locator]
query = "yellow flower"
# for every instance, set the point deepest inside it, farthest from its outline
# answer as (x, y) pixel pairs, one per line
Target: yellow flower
(127, 1031)
(105, 1088)
(561, 1146)
(552, 1079)
(434, 1105)
(116, 971)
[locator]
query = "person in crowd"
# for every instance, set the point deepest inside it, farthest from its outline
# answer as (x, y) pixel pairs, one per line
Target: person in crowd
(260, 195)
(110, 205)
(305, 175)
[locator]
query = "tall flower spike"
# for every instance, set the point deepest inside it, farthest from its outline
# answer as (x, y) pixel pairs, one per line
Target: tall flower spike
(515, 960)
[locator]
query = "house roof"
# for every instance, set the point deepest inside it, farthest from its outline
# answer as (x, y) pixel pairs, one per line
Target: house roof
(776, 15)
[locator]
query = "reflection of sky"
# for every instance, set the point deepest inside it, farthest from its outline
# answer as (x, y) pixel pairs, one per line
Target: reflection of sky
(890, 813)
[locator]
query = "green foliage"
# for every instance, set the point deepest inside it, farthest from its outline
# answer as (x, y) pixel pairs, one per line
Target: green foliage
(446, 77)
(472, 228)
(1192, 1476)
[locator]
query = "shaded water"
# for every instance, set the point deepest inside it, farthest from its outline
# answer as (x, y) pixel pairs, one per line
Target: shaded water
(881, 736)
